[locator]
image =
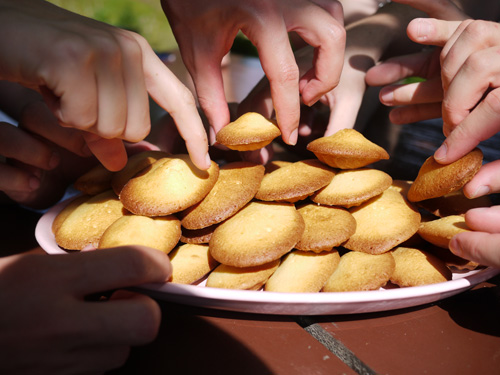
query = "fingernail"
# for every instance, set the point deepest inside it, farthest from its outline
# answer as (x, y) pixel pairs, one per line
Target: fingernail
(34, 183)
(480, 191)
(211, 136)
(294, 136)
(208, 161)
(387, 96)
(424, 29)
(441, 152)
(54, 160)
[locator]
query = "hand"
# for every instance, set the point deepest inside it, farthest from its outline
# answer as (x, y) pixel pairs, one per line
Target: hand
(417, 101)
(51, 328)
(421, 100)
(95, 78)
(205, 32)
(481, 244)
(41, 158)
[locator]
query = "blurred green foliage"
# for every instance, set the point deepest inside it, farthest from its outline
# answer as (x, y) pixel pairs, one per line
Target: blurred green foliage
(142, 16)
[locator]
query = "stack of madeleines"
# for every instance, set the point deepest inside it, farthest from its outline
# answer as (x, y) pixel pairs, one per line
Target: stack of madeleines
(328, 224)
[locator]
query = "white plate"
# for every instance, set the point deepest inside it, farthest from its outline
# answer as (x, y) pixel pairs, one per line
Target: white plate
(288, 303)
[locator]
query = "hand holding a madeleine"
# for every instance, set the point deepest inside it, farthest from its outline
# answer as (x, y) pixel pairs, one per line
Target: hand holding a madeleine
(468, 60)
(205, 32)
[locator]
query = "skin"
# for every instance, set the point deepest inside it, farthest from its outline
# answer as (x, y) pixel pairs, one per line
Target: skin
(117, 70)
(205, 32)
(468, 58)
(41, 158)
(51, 327)
(368, 39)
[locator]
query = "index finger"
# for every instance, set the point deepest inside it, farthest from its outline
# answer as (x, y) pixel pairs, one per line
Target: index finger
(431, 31)
(323, 32)
(282, 72)
(467, 134)
(166, 89)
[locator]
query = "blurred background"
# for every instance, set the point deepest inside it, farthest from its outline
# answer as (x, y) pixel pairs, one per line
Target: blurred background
(142, 16)
(145, 17)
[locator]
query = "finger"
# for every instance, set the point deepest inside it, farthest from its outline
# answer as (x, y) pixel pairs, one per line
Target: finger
(114, 268)
(111, 99)
(282, 72)
(16, 182)
(261, 156)
(435, 32)
(323, 32)
(477, 246)
(179, 102)
(343, 113)
(456, 51)
(110, 152)
(39, 120)
(484, 219)
(205, 68)
(73, 108)
(429, 91)
(18, 144)
(486, 181)
(478, 75)
(415, 113)
(138, 123)
(467, 134)
(139, 321)
(398, 68)
(333, 7)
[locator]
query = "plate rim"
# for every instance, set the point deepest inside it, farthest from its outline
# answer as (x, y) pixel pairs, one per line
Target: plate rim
(267, 302)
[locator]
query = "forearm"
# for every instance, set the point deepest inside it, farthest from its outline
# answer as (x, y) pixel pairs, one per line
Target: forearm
(381, 35)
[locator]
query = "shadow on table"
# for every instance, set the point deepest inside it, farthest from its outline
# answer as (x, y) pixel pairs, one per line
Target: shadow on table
(477, 310)
(188, 343)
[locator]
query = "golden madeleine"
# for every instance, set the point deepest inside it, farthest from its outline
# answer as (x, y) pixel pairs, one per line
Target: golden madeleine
(247, 278)
(382, 223)
(350, 188)
(191, 263)
(303, 272)
(435, 180)
(439, 232)
(347, 149)
(161, 233)
(259, 233)
(94, 181)
(326, 227)
(295, 181)
(169, 185)
(416, 267)
(236, 186)
(84, 225)
(359, 271)
(135, 164)
(250, 131)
